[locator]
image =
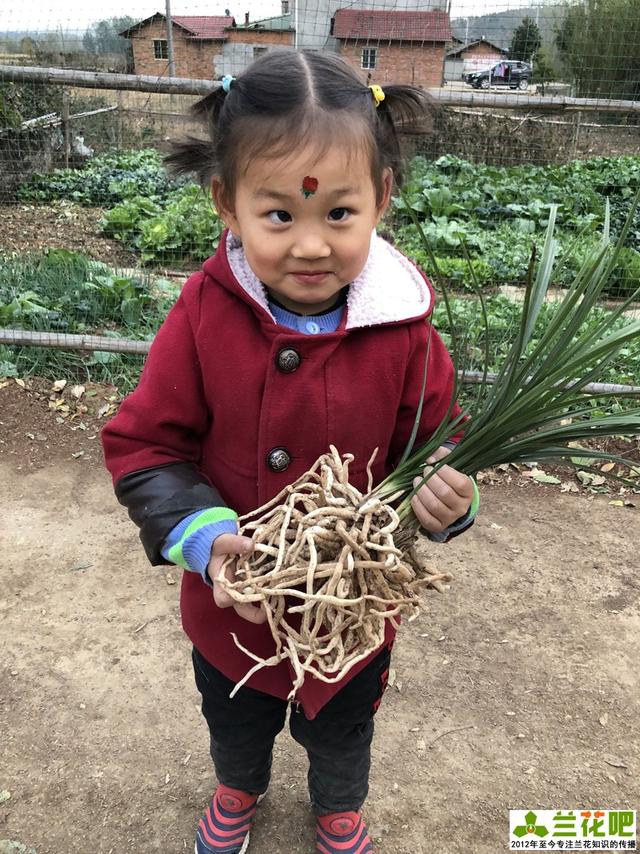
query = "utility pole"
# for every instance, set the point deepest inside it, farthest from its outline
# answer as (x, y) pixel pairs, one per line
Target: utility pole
(172, 65)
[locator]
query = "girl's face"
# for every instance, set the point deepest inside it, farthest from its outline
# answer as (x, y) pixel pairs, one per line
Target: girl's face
(306, 223)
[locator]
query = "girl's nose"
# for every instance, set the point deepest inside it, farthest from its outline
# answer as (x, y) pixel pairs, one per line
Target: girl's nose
(310, 245)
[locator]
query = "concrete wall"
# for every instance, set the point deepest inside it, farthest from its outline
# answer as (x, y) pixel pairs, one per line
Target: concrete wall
(420, 65)
(453, 69)
(312, 18)
(240, 48)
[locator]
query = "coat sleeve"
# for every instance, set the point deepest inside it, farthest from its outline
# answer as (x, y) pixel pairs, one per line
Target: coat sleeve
(152, 445)
(438, 393)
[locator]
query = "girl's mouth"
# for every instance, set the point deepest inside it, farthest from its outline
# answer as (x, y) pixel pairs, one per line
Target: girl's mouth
(308, 277)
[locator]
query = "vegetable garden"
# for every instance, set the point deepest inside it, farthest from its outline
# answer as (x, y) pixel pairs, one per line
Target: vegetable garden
(481, 222)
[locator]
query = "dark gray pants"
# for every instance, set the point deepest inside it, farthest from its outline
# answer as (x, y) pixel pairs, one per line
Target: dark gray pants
(337, 740)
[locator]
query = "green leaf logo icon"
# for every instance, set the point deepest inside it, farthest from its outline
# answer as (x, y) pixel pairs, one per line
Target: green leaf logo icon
(530, 827)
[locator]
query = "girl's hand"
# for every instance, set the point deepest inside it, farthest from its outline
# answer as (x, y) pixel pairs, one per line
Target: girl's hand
(444, 498)
(224, 545)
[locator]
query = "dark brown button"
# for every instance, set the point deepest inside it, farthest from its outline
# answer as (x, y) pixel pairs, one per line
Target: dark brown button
(288, 360)
(278, 459)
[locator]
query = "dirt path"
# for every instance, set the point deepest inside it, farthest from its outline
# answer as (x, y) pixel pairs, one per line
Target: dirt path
(515, 689)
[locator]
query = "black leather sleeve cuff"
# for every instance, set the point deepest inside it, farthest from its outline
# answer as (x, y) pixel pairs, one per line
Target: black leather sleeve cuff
(158, 498)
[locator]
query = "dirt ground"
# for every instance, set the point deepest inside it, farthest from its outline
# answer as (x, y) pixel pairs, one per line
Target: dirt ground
(515, 689)
(30, 228)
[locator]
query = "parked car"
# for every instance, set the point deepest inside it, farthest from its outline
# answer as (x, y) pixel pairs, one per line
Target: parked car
(507, 72)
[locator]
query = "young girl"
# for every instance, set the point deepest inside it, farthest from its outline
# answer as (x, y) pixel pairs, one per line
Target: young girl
(305, 329)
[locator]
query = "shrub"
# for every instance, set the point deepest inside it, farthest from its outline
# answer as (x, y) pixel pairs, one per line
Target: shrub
(625, 279)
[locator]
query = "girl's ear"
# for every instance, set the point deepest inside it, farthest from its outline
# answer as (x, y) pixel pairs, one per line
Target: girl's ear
(387, 187)
(225, 213)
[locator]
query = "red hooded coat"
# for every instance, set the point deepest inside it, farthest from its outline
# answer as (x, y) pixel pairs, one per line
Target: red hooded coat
(214, 393)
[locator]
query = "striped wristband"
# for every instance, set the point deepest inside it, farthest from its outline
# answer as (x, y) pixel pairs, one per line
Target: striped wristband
(192, 548)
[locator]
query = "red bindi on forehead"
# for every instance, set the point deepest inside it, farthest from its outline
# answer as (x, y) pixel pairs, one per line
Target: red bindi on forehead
(309, 186)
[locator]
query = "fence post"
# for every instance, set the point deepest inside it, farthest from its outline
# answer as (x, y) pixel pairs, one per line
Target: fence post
(119, 118)
(576, 134)
(66, 127)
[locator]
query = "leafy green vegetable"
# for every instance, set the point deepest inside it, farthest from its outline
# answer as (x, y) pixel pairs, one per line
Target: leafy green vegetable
(498, 213)
(62, 291)
(106, 180)
(183, 225)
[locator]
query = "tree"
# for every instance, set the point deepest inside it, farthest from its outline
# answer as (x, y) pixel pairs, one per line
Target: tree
(9, 44)
(544, 69)
(28, 45)
(89, 42)
(599, 40)
(526, 40)
(104, 36)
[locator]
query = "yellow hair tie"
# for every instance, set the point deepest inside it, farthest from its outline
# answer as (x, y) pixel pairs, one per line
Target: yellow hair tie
(378, 94)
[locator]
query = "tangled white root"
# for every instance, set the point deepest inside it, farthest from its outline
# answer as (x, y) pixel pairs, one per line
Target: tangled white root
(325, 554)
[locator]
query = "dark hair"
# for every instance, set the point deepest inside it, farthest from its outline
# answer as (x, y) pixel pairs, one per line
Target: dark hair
(285, 99)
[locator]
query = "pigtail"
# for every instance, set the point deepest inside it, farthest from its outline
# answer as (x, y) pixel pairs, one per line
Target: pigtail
(210, 107)
(193, 155)
(405, 111)
(411, 110)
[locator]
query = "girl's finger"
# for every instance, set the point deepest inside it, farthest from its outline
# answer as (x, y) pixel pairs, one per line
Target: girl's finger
(221, 597)
(430, 512)
(250, 612)
(442, 501)
(455, 480)
(439, 454)
(443, 492)
(227, 544)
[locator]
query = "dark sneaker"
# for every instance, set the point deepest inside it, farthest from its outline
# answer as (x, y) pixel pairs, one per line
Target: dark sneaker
(342, 833)
(225, 826)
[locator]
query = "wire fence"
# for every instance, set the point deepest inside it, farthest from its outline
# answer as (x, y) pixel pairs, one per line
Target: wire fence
(538, 105)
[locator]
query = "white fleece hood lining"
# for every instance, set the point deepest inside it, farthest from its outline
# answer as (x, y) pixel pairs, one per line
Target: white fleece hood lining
(388, 290)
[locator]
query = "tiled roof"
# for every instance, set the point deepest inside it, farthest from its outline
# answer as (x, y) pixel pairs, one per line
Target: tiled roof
(458, 49)
(204, 26)
(373, 25)
(197, 26)
(279, 23)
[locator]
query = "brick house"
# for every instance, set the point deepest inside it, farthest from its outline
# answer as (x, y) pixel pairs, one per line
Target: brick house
(205, 46)
(474, 56)
(399, 47)
(313, 17)
(196, 41)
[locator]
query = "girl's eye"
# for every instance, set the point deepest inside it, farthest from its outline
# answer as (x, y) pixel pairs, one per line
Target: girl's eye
(338, 214)
(279, 217)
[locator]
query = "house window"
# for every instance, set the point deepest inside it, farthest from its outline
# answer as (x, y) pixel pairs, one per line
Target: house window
(259, 51)
(369, 57)
(161, 49)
